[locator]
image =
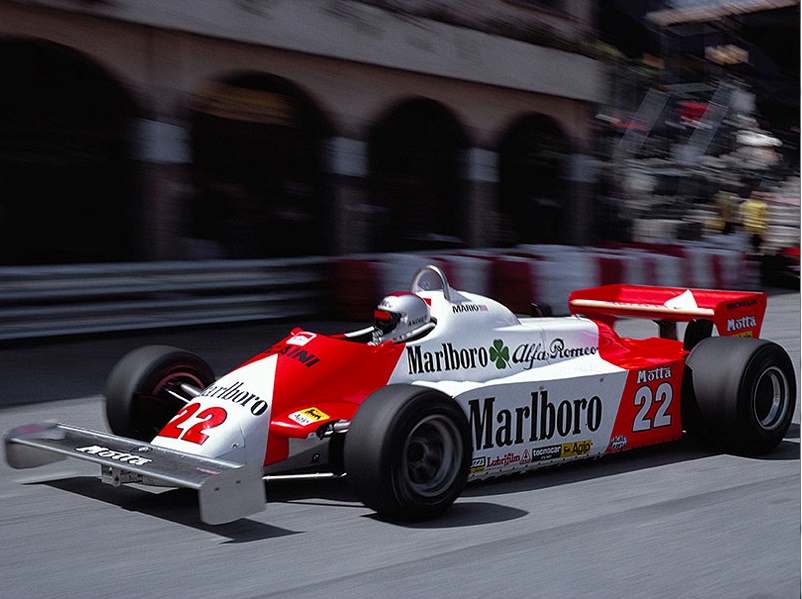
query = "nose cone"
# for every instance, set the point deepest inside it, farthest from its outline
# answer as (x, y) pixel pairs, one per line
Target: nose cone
(230, 418)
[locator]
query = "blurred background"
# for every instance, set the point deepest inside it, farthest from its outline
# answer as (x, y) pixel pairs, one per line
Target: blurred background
(143, 131)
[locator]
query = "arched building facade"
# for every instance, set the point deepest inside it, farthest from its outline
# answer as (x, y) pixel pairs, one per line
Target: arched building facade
(67, 184)
(137, 137)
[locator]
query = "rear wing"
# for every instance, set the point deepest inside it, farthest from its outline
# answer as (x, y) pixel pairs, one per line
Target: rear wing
(734, 313)
(226, 491)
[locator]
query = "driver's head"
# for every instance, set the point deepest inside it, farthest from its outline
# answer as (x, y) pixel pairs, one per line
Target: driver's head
(400, 316)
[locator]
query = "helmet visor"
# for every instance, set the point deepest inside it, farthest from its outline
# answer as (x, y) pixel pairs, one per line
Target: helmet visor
(385, 321)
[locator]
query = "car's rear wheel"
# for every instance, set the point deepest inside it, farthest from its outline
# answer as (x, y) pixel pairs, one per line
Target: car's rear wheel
(407, 452)
(739, 394)
(144, 390)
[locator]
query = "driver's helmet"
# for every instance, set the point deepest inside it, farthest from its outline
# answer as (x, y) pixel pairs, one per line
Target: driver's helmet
(400, 316)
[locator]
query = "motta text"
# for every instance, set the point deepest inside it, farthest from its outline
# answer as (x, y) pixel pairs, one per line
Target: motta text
(738, 324)
(113, 454)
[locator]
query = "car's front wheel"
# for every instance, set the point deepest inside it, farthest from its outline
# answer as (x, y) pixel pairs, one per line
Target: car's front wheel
(407, 452)
(739, 394)
(148, 386)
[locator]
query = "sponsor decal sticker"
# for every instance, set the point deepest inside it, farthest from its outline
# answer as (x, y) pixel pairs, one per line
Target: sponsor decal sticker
(207, 471)
(478, 465)
(529, 353)
(418, 321)
(550, 452)
(539, 454)
(744, 303)
(297, 352)
(308, 416)
(539, 420)
(739, 324)
(445, 359)
(504, 460)
(576, 448)
(660, 373)
(468, 307)
(618, 443)
(120, 456)
(237, 395)
(301, 338)
(499, 354)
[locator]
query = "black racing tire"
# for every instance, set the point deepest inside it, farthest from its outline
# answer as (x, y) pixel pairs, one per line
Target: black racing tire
(142, 387)
(408, 452)
(739, 394)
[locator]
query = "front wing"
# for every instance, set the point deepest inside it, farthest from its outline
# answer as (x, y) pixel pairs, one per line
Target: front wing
(226, 490)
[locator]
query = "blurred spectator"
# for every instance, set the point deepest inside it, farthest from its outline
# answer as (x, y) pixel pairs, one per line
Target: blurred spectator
(727, 208)
(754, 212)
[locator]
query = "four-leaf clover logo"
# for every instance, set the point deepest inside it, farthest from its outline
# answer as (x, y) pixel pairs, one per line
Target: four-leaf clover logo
(500, 354)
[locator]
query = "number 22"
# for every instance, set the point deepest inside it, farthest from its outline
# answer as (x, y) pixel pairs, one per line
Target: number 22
(644, 399)
(208, 418)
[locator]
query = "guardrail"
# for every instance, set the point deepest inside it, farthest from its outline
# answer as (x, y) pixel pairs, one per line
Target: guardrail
(48, 301)
(51, 301)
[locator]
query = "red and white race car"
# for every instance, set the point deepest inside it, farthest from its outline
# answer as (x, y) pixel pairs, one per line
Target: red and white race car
(446, 387)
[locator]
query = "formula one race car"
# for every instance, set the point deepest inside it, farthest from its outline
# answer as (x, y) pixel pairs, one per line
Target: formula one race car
(445, 387)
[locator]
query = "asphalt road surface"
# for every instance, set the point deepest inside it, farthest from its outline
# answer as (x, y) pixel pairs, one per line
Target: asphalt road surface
(675, 521)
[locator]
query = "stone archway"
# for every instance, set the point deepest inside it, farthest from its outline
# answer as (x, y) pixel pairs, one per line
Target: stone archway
(68, 185)
(259, 148)
(533, 185)
(417, 184)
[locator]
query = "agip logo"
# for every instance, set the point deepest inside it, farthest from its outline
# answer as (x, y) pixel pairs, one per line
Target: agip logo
(308, 416)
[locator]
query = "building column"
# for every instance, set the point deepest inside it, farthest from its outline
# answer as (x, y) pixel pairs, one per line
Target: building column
(164, 155)
(348, 168)
(582, 188)
(482, 175)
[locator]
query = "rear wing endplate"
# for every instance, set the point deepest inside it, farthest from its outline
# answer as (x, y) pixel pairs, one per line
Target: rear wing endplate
(734, 313)
(227, 491)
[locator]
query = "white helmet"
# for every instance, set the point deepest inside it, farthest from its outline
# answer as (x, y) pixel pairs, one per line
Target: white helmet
(400, 316)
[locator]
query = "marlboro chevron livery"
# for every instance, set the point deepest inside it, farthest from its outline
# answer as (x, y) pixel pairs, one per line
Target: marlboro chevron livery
(466, 390)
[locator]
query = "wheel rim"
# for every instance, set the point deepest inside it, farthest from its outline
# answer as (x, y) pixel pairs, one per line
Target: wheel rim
(431, 456)
(771, 398)
(169, 387)
(157, 406)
